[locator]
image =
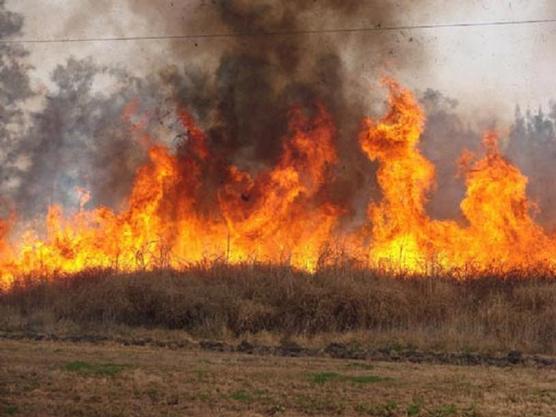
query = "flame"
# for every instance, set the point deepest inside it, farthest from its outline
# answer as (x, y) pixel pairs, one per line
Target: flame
(278, 212)
(499, 233)
(176, 216)
(276, 216)
(501, 230)
(403, 236)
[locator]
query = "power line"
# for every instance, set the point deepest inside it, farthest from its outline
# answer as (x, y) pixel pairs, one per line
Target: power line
(377, 28)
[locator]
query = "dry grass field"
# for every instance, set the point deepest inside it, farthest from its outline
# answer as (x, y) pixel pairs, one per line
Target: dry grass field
(272, 341)
(70, 380)
(489, 313)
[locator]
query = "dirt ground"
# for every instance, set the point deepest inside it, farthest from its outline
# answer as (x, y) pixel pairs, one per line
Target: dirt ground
(104, 379)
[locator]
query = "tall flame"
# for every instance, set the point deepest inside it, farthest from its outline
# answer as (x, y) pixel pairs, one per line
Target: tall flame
(402, 234)
(174, 216)
(499, 232)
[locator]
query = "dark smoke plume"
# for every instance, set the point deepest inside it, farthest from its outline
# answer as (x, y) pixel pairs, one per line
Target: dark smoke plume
(241, 97)
(240, 89)
(244, 104)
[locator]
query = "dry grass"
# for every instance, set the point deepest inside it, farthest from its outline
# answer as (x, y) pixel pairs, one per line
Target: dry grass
(69, 380)
(489, 313)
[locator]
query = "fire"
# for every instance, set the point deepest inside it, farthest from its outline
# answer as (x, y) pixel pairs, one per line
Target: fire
(277, 216)
(176, 215)
(501, 230)
(403, 236)
(499, 233)
(278, 212)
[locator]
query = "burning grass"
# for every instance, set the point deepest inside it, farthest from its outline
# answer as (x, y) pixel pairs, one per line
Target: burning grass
(491, 312)
(187, 205)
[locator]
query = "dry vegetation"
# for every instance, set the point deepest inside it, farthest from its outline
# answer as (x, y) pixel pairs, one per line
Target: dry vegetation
(70, 380)
(490, 313)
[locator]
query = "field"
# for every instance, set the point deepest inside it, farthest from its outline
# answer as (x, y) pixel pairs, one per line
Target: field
(265, 340)
(490, 313)
(68, 379)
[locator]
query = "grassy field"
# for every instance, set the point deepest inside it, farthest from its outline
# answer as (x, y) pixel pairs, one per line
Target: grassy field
(489, 313)
(66, 379)
(270, 341)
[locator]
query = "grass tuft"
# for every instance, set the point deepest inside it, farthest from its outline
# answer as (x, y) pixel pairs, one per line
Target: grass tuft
(388, 409)
(366, 379)
(325, 377)
(10, 410)
(242, 396)
(94, 369)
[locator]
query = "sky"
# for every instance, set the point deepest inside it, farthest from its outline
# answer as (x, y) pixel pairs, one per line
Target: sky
(489, 70)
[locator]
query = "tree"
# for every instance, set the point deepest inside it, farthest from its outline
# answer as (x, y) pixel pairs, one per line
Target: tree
(532, 146)
(14, 91)
(79, 139)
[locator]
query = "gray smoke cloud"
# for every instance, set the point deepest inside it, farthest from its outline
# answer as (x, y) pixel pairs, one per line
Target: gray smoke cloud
(532, 146)
(77, 140)
(445, 138)
(15, 90)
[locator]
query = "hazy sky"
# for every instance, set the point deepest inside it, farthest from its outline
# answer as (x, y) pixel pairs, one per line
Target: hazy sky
(488, 69)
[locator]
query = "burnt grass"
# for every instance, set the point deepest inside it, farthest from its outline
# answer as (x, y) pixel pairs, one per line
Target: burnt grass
(341, 312)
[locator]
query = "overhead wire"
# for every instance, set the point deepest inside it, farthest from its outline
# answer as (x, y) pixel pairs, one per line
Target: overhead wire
(301, 32)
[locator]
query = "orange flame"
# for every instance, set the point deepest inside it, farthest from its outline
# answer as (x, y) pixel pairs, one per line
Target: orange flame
(276, 216)
(173, 217)
(500, 232)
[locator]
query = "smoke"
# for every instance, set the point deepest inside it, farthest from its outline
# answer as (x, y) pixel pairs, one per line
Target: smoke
(243, 103)
(532, 146)
(240, 89)
(445, 138)
(15, 90)
(78, 139)
(258, 78)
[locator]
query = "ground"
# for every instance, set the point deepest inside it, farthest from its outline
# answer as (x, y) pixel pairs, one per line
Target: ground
(45, 378)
